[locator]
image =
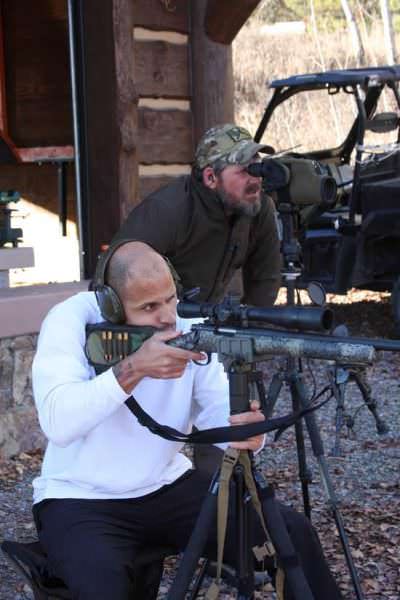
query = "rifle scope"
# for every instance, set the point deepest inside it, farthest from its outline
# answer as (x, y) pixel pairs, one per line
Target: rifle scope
(292, 317)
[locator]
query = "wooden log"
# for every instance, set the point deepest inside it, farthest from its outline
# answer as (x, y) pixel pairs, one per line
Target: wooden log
(46, 153)
(162, 69)
(162, 14)
(3, 104)
(224, 18)
(212, 76)
(147, 185)
(165, 136)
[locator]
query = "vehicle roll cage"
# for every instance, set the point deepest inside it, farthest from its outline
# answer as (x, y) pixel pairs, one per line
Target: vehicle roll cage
(365, 84)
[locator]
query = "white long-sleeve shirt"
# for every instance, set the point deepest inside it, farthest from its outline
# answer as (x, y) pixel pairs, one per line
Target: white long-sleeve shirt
(96, 447)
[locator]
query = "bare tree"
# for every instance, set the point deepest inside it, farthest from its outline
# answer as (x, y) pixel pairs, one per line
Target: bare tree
(354, 33)
(323, 66)
(388, 34)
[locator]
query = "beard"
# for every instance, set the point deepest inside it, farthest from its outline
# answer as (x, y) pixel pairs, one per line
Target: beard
(240, 206)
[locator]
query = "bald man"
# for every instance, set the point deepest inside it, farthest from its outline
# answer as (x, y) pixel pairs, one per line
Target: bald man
(109, 486)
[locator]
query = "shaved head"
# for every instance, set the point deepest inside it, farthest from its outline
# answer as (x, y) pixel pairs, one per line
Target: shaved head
(134, 266)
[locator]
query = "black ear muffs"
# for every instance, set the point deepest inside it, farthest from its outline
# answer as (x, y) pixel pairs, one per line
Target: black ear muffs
(110, 305)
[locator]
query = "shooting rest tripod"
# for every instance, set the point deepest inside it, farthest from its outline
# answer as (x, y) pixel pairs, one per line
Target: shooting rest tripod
(292, 376)
(240, 376)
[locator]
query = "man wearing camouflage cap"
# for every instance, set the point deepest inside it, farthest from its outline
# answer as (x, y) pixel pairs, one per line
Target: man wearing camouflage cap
(215, 221)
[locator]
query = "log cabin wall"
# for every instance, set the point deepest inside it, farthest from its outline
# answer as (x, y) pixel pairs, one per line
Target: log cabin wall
(185, 85)
(162, 79)
(148, 133)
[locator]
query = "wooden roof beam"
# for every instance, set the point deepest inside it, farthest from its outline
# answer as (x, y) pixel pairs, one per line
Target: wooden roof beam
(224, 18)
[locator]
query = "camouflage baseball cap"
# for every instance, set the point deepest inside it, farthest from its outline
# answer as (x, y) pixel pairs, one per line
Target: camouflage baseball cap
(228, 144)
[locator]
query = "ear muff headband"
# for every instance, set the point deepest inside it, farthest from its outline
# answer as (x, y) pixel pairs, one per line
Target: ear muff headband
(175, 276)
(110, 305)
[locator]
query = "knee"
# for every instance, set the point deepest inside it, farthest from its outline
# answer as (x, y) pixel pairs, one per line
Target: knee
(98, 577)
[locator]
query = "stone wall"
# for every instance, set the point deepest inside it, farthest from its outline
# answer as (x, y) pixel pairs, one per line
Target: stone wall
(19, 427)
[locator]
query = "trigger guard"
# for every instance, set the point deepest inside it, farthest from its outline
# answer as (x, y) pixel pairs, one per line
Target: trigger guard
(203, 364)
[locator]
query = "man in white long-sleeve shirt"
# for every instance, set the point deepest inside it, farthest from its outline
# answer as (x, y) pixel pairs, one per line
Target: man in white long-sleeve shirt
(108, 485)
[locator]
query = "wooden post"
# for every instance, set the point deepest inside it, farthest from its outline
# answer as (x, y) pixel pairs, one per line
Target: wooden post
(107, 111)
(212, 76)
(127, 103)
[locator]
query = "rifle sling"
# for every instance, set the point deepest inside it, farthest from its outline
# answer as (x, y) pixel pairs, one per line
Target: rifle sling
(217, 434)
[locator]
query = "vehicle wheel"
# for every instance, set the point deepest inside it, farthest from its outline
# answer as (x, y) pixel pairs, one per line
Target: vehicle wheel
(395, 300)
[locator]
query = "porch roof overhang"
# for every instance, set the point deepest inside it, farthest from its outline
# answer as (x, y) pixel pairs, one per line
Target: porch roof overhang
(224, 18)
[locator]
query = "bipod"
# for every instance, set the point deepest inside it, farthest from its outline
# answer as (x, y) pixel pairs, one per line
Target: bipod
(238, 468)
(339, 376)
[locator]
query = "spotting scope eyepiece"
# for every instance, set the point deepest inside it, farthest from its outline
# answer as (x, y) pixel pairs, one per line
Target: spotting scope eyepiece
(275, 173)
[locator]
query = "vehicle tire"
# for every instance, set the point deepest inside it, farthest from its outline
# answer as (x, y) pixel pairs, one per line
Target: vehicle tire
(395, 301)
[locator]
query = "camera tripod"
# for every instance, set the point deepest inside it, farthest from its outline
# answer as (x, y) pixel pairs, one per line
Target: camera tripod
(292, 376)
(240, 375)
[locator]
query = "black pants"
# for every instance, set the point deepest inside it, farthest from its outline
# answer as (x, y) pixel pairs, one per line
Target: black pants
(91, 544)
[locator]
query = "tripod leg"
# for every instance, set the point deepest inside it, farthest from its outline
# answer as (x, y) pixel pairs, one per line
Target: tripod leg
(304, 471)
(195, 545)
(318, 451)
(360, 378)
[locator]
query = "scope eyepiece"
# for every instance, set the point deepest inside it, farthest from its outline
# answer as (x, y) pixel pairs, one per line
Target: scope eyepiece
(276, 174)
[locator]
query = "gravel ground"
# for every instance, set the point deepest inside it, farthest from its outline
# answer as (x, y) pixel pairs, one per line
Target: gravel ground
(365, 477)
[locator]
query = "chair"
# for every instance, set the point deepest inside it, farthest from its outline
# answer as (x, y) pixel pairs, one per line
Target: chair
(31, 561)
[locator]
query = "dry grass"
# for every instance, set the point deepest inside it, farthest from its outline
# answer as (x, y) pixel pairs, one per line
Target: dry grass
(260, 57)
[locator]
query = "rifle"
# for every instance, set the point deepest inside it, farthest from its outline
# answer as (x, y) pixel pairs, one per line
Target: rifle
(226, 332)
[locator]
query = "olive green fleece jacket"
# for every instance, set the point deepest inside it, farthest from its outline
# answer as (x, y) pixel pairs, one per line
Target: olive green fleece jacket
(186, 222)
